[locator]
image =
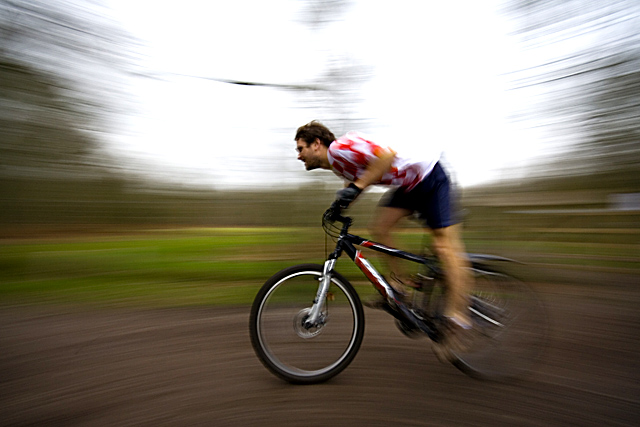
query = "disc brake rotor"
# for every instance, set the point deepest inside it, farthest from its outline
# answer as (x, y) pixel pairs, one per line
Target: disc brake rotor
(307, 332)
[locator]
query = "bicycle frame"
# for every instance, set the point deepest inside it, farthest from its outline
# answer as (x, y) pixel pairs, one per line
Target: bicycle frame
(347, 243)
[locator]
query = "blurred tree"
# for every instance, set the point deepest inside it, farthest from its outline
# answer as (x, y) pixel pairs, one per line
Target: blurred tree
(59, 68)
(60, 63)
(38, 135)
(342, 78)
(612, 125)
(333, 96)
(318, 13)
(588, 84)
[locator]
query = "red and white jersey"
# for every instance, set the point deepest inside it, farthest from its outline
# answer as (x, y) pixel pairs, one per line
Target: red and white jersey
(350, 155)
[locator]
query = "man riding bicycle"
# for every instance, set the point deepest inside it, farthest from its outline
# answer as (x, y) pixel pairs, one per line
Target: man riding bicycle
(421, 186)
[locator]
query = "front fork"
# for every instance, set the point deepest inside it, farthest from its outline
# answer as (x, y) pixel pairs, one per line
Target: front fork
(321, 296)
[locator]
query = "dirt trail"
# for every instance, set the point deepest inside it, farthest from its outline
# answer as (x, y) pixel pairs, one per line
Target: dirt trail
(178, 367)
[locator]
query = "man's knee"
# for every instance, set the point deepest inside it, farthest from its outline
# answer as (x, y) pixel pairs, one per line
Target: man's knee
(442, 248)
(386, 219)
(379, 231)
(443, 243)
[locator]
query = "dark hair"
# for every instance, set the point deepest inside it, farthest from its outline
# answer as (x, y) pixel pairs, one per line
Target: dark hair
(313, 130)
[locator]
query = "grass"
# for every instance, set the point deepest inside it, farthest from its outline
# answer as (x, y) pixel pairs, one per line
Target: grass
(222, 266)
(162, 268)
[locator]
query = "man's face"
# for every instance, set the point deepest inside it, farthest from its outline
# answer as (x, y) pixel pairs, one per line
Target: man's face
(308, 153)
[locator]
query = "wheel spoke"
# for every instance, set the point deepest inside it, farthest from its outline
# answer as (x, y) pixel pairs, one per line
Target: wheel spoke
(287, 345)
(509, 328)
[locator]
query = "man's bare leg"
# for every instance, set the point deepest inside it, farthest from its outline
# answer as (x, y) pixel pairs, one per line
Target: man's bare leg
(450, 249)
(386, 219)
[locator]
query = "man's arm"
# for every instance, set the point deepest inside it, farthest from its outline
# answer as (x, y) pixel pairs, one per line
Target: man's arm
(376, 169)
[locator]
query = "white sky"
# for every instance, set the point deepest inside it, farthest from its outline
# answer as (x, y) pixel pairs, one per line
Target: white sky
(436, 84)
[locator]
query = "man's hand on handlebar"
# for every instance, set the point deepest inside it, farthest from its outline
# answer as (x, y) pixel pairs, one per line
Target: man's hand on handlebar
(334, 211)
(344, 198)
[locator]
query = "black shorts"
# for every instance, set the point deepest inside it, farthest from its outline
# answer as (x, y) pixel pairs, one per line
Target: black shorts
(433, 199)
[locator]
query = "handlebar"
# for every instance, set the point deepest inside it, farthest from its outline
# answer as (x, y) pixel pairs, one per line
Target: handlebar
(334, 214)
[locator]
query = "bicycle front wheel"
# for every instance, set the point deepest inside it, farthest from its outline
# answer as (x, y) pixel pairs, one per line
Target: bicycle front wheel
(291, 348)
(509, 328)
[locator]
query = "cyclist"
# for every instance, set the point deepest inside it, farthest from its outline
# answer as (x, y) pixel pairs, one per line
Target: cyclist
(421, 186)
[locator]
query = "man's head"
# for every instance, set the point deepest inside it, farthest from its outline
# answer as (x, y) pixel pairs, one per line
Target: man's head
(315, 130)
(312, 141)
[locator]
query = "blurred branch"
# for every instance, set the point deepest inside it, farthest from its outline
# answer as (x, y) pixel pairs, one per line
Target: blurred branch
(296, 87)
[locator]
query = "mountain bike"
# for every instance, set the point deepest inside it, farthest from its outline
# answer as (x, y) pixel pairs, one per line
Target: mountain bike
(307, 321)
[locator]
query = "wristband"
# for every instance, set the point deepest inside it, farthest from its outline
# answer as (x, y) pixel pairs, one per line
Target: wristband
(355, 187)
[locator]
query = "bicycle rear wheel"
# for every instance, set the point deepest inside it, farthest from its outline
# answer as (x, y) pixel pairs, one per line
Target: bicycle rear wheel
(509, 331)
(301, 353)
